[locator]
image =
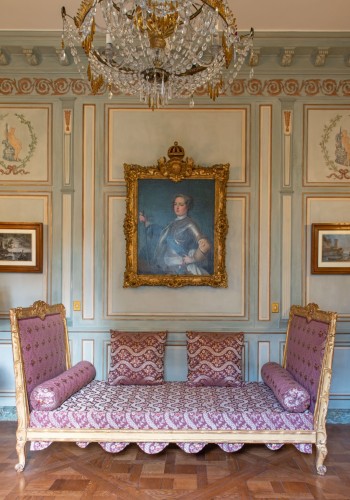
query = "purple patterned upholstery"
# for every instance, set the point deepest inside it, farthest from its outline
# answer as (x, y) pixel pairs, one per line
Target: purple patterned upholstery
(304, 351)
(214, 359)
(43, 349)
(292, 396)
(137, 358)
(52, 393)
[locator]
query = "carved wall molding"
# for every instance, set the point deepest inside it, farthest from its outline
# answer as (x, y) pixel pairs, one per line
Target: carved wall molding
(319, 57)
(287, 56)
(254, 57)
(310, 52)
(33, 56)
(4, 57)
(275, 87)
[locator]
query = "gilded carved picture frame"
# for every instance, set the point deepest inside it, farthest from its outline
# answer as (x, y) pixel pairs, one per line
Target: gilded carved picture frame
(330, 248)
(21, 247)
(175, 224)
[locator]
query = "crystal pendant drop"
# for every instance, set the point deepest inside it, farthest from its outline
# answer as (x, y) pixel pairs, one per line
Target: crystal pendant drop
(63, 56)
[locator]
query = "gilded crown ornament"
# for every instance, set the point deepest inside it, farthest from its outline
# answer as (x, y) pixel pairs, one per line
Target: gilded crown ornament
(176, 168)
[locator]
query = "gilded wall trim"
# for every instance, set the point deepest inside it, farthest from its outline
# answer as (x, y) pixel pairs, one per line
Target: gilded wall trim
(271, 88)
(265, 178)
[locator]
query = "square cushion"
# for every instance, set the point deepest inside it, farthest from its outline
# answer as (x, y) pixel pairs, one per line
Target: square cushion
(292, 396)
(214, 359)
(137, 358)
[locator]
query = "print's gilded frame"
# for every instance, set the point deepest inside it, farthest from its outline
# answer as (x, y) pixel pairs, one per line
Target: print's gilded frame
(31, 235)
(176, 169)
(338, 260)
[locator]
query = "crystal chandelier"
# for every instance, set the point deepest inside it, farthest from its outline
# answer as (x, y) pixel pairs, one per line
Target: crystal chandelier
(157, 49)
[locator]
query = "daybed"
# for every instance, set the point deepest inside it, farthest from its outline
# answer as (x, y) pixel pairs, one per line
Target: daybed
(171, 412)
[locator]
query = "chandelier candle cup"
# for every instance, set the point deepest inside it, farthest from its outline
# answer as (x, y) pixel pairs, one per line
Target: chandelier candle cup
(157, 49)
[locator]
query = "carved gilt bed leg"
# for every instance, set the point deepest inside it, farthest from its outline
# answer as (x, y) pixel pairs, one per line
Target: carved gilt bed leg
(321, 453)
(21, 434)
(321, 416)
(20, 448)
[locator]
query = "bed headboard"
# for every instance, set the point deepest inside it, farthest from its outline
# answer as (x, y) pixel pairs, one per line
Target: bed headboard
(309, 350)
(40, 346)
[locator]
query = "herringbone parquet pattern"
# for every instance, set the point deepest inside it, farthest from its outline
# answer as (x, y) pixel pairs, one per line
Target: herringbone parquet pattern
(65, 471)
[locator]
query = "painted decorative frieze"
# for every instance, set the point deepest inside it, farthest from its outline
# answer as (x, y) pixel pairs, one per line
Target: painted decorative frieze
(252, 87)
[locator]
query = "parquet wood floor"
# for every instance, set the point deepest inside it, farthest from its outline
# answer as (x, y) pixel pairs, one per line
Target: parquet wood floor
(65, 471)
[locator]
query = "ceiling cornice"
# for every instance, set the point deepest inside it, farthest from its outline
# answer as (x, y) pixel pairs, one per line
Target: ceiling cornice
(276, 53)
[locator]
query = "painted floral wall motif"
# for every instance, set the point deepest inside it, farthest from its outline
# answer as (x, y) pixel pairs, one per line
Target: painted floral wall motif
(327, 145)
(25, 144)
(339, 144)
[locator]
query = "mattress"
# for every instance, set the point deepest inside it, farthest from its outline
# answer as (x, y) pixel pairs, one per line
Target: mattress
(173, 405)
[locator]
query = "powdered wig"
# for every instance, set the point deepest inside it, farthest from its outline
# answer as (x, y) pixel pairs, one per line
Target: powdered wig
(188, 200)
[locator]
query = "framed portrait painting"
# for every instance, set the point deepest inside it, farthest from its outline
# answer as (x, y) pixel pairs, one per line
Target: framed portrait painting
(21, 247)
(330, 248)
(175, 224)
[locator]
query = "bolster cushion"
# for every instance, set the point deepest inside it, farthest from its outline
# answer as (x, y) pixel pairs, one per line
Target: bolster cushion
(291, 395)
(52, 393)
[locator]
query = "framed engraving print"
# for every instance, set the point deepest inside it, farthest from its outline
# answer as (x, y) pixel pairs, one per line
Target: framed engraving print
(21, 247)
(175, 224)
(330, 248)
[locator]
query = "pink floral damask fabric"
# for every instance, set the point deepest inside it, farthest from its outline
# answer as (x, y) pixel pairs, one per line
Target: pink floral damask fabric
(43, 349)
(137, 358)
(172, 405)
(52, 393)
(292, 396)
(214, 359)
(305, 350)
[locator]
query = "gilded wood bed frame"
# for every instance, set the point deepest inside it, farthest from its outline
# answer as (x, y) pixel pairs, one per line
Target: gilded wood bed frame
(317, 435)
